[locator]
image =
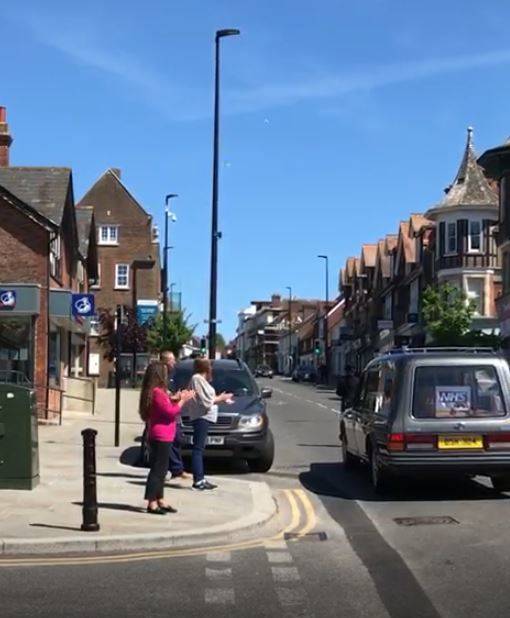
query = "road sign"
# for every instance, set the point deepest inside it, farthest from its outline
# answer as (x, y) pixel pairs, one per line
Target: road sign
(82, 305)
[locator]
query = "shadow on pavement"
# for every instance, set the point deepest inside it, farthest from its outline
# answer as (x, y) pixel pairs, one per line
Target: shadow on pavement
(117, 506)
(54, 527)
(330, 479)
(124, 475)
(131, 457)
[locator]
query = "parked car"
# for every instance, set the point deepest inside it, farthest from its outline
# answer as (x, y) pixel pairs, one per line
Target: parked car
(264, 371)
(431, 411)
(242, 430)
(304, 373)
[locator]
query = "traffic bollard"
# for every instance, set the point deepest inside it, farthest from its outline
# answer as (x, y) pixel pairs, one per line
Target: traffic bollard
(89, 509)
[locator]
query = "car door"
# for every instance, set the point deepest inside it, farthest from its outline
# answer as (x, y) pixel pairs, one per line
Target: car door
(351, 414)
(369, 404)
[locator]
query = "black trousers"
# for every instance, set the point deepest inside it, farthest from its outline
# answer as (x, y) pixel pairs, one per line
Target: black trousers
(158, 461)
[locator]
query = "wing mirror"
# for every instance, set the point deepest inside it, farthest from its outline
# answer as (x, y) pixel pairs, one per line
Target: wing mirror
(266, 393)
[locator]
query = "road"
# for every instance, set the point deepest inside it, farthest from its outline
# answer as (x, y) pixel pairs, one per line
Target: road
(366, 564)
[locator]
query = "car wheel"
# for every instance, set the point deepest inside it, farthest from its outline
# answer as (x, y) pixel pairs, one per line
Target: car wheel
(265, 459)
(501, 483)
(348, 460)
(378, 475)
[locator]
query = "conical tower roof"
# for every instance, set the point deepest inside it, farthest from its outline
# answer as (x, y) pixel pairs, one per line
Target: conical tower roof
(470, 187)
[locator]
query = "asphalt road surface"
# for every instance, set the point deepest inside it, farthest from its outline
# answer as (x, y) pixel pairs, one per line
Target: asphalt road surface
(366, 564)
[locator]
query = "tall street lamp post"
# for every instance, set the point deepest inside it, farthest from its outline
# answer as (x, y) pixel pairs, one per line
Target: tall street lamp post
(326, 351)
(290, 329)
(214, 228)
(136, 266)
(166, 249)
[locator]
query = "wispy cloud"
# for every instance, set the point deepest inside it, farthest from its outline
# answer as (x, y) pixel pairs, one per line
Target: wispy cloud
(182, 102)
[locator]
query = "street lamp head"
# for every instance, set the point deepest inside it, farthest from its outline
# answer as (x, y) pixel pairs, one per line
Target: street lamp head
(230, 32)
(169, 197)
(324, 257)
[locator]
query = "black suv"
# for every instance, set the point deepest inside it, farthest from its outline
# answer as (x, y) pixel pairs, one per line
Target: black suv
(242, 430)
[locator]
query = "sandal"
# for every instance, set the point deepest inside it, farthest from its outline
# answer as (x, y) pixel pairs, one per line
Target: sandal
(157, 511)
(168, 509)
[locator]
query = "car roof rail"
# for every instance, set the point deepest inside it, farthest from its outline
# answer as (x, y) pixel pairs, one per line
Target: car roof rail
(432, 350)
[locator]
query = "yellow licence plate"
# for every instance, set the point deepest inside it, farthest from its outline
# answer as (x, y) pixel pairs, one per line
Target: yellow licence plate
(459, 442)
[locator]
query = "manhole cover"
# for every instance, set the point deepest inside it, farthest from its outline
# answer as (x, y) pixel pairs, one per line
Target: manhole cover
(425, 521)
(311, 536)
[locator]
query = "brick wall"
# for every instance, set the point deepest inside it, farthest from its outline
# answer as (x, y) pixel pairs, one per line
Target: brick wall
(24, 259)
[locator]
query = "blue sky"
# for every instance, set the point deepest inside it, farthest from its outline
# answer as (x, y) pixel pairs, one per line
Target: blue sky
(338, 120)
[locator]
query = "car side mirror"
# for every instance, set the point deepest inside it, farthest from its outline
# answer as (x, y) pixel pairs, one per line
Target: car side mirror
(266, 393)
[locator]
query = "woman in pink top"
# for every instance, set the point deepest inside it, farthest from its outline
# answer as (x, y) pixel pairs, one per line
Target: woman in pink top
(160, 413)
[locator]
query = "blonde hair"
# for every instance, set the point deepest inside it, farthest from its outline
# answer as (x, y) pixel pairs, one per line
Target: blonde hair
(203, 365)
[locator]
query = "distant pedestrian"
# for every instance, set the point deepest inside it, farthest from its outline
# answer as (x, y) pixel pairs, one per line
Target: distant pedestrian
(160, 414)
(175, 464)
(203, 411)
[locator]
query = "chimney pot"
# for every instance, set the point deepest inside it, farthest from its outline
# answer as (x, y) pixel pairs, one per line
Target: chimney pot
(5, 138)
(3, 114)
(116, 171)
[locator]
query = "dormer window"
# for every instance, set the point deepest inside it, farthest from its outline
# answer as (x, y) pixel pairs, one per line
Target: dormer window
(475, 236)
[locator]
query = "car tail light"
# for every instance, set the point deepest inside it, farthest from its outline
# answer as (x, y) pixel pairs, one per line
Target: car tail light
(411, 442)
(420, 441)
(395, 442)
(499, 440)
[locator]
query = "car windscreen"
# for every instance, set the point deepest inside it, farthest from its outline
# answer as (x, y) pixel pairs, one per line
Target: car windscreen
(466, 391)
(235, 381)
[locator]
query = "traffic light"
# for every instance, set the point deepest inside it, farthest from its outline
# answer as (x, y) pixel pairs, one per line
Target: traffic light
(317, 347)
(203, 346)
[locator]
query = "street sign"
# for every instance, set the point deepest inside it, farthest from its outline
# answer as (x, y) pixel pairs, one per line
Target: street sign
(146, 311)
(82, 305)
(7, 300)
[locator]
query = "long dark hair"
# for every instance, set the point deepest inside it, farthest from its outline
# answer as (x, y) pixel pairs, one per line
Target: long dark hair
(155, 376)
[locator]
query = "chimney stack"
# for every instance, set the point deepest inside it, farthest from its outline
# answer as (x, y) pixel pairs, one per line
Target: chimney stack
(116, 171)
(5, 138)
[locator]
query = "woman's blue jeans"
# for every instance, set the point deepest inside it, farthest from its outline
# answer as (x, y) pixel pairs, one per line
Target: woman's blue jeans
(200, 430)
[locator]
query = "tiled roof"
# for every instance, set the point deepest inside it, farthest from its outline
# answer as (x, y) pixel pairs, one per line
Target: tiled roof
(84, 216)
(368, 253)
(470, 187)
(43, 188)
(418, 222)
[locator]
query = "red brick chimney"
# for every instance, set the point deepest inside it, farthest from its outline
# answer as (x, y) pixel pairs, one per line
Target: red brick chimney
(5, 138)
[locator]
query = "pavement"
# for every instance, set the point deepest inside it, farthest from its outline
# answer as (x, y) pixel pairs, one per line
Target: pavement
(48, 518)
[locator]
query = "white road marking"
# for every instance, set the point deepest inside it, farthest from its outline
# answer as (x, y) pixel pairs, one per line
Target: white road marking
(276, 557)
(310, 401)
(220, 596)
(218, 574)
(285, 574)
(218, 556)
(291, 596)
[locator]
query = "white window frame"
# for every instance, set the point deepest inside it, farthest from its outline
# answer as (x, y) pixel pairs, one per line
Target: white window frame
(480, 234)
(97, 285)
(448, 251)
(469, 278)
(111, 236)
(117, 285)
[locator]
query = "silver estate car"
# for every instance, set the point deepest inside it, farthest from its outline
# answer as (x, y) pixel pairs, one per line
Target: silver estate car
(431, 411)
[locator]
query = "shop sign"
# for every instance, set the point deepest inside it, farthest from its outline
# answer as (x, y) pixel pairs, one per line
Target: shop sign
(82, 305)
(7, 299)
(146, 312)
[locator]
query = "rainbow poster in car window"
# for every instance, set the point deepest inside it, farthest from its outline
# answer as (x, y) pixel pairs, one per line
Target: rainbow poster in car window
(453, 401)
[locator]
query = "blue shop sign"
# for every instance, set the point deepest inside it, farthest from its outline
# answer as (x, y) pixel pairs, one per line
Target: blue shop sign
(82, 305)
(7, 299)
(146, 313)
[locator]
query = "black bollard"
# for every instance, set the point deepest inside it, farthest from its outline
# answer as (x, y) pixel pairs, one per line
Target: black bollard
(89, 510)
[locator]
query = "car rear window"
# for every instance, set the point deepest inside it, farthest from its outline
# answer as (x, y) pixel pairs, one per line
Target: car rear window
(467, 391)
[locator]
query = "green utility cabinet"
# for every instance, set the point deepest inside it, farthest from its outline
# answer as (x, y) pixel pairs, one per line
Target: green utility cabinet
(19, 444)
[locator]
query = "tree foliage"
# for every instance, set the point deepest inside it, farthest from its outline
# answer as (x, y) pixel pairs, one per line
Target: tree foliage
(220, 342)
(448, 316)
(179, 332)
(133, 335)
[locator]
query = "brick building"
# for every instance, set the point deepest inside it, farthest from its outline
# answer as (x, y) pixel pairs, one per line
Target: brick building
(128, 261)
(41, 265)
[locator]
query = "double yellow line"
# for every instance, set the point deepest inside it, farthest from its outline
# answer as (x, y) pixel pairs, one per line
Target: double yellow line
(302, 521)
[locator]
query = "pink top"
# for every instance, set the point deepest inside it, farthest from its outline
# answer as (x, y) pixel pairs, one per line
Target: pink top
(162, 417)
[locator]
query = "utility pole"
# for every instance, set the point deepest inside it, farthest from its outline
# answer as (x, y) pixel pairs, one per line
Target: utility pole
(166, 249)
(215, 234)
(326, 350)
(118, 347)
(290, 330)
